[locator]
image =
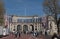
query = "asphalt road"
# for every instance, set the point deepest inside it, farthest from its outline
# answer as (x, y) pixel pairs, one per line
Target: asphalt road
(25, 36)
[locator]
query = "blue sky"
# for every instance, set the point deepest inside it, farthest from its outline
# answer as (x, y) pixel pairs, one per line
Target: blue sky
(24, 7)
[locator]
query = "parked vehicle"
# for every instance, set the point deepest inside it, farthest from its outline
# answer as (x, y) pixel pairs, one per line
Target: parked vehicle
(35, 34)
(5, 32)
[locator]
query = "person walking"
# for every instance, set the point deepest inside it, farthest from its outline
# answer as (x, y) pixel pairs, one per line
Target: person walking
(15, 33)
(18, 33)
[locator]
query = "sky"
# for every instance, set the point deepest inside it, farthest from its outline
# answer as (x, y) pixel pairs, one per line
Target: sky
(24, 7)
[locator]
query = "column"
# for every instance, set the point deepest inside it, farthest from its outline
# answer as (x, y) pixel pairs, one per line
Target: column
(22, 27)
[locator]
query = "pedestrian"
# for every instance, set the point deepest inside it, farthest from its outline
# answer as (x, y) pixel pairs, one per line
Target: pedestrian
(55, 36)
(18, 33)
(15, 33)
(45, 32)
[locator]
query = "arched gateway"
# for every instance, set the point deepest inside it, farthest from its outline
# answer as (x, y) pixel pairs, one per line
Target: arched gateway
(25, 28)
(32, 27)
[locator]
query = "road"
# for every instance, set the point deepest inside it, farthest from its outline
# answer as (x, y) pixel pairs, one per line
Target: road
(26, 36)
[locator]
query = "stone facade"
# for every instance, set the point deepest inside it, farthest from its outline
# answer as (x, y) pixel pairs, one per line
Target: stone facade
(33, 23)
(52, 26)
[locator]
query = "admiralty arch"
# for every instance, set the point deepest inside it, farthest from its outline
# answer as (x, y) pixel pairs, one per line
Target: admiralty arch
(32, 23)
(25, 23)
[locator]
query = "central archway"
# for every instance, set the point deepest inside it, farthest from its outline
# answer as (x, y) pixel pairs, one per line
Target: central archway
(25, 28)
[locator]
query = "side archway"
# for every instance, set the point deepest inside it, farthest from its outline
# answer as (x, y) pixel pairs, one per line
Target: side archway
(32, 27)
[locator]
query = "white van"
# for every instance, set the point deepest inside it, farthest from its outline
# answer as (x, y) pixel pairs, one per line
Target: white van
(5, 32)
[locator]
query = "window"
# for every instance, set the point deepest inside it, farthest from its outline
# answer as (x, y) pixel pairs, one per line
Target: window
(25, 20)
(19, 20)
(10, 19)
(28, 20)
(39, 20)
(35, 27)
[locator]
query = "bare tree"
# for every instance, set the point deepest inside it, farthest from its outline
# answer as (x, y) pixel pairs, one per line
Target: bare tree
(51, 7)
(2, 12)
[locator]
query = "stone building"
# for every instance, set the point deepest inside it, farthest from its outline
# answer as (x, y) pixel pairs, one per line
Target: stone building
(48, 25)
(32, 23)
(52, 26)
(25, 23)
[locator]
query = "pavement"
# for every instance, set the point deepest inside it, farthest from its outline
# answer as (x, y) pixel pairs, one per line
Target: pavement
(26, 36)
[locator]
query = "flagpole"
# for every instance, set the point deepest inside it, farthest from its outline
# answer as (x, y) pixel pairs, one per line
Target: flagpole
(25, 11)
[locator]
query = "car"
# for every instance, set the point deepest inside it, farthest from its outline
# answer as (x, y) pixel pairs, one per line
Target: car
(35, 34)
